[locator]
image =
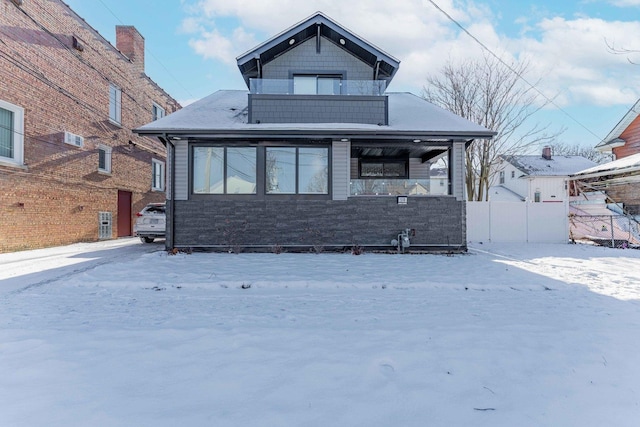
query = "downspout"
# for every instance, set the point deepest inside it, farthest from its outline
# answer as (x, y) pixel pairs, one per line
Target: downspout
(169, 241)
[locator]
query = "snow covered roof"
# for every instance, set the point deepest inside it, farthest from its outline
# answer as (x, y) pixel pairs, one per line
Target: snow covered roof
(624, 165)
(225, 113)
(499, 193)
(536, 165)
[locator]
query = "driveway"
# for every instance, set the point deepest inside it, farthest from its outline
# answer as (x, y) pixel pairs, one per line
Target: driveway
(26, 269)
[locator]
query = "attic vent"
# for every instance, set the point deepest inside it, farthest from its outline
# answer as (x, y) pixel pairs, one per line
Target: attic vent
(73, 139)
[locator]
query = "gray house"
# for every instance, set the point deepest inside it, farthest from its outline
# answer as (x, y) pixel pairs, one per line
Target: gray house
(317, 154)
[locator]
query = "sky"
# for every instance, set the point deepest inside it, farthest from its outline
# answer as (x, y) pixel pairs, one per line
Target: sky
(119, 333)
(191, 45)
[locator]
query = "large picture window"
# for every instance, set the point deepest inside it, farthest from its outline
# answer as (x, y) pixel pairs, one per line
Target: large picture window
(224, 170)
(302, 170)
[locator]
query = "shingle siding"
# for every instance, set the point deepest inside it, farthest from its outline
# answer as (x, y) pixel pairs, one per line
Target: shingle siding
(318, 109)
(305, 57)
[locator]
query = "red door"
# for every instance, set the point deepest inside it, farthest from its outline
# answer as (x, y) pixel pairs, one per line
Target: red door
(124, 213)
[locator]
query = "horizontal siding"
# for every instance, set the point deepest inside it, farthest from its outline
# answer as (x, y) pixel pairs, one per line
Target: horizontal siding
(418, 169)
(181, 178)
(458, 170)
(341, 152)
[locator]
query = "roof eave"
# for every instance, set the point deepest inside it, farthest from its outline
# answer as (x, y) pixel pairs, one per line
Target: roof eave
(316, 133)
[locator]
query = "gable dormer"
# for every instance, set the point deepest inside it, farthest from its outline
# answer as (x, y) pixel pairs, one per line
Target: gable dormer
(317, 72)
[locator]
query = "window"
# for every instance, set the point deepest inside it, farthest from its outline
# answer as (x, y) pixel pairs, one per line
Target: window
(104, 158)
(224, 170)
(536, 196)
(383, 168)
(302, 170)
(11, 133)
(157, 179)
(513, 174)
(158, 112)
(115, 104)
(316, 85)
(501, 177)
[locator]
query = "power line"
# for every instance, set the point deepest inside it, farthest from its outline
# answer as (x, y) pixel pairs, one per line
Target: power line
(519, 75)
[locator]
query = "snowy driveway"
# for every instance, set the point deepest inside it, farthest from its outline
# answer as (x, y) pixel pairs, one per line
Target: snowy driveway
(526, 335)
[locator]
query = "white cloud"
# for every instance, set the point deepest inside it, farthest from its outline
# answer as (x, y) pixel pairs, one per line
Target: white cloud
(626, 3)
(573, 59)
(570, 56)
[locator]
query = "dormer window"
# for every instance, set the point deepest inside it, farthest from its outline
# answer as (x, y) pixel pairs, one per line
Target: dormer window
(316, 84)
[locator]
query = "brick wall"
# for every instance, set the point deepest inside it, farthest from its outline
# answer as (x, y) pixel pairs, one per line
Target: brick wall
(55, 197)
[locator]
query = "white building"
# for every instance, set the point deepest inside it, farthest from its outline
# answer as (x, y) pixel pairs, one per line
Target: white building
(536, 178)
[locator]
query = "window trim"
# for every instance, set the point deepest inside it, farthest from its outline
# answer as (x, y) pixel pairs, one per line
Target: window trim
(107, 158)
(117, 104)
(162, 166)
(18, 134)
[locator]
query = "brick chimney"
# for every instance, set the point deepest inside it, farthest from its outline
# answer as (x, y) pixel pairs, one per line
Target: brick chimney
(546, 153)
(131, 43)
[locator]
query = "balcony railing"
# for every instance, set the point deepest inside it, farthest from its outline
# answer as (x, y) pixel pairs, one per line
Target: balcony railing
(399, 187)
(343, 87)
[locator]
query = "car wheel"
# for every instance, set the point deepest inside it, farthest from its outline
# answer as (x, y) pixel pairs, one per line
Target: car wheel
(147, 239)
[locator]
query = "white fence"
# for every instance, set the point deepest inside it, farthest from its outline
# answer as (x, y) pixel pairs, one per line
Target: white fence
(519, 222)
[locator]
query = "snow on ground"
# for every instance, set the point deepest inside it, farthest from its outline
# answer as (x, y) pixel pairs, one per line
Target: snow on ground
(507, 335)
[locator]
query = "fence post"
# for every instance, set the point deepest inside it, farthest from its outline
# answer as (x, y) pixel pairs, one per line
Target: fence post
(613, 240)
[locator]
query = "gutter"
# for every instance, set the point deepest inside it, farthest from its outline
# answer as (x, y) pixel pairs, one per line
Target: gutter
(256, 132)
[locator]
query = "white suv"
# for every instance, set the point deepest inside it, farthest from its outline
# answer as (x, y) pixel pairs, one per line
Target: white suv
(151, 222)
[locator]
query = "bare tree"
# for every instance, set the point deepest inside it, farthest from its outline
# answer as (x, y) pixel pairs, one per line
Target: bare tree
(562, 149)
(611, 47)
(494, 95)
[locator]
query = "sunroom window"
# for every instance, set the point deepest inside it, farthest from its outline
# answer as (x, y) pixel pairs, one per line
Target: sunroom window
(224, 170)
(302, 170)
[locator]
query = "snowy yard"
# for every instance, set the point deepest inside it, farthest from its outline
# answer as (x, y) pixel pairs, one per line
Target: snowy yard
(117, 334)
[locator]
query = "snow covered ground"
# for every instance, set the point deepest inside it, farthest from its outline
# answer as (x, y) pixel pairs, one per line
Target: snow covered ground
(122, 334)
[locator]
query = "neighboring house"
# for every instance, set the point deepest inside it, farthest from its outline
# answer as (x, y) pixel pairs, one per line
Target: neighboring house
(619, 179)
(71, 169)
(536, 178)
(624, 138)
(316, 154)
